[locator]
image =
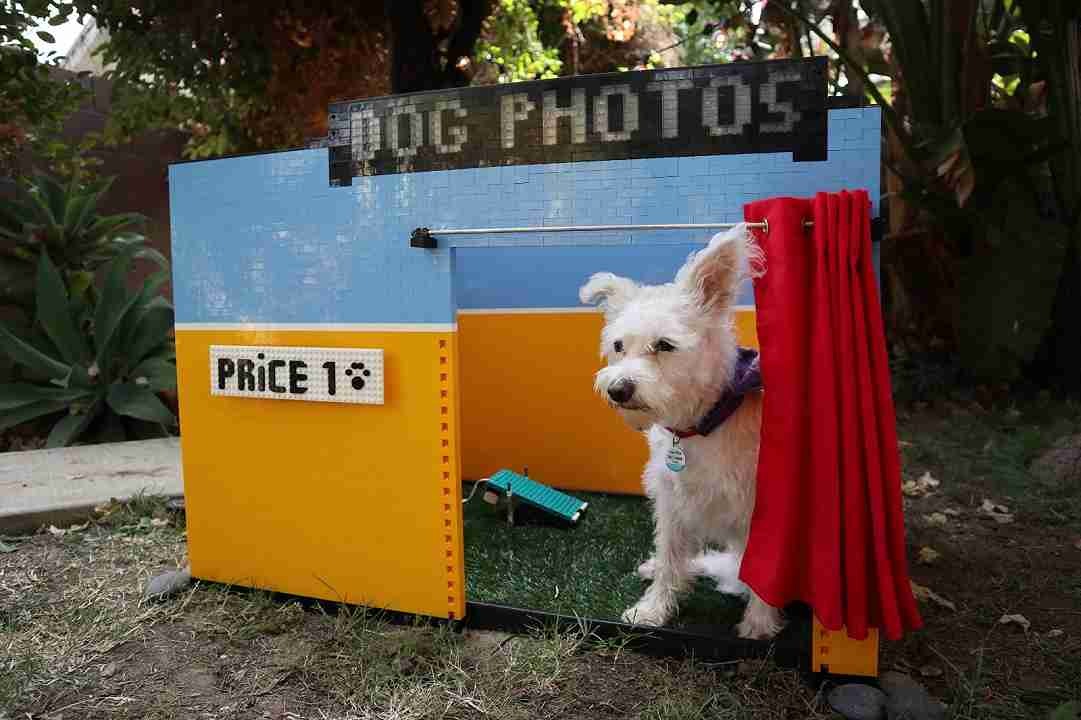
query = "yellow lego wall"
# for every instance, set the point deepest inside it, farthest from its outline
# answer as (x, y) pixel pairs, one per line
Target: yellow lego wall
(528, 401)
(352, 503)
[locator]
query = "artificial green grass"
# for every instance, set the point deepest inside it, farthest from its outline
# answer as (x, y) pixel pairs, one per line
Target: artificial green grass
(587, 569)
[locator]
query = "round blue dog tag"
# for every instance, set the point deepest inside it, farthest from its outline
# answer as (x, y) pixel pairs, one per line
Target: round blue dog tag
(675, 459)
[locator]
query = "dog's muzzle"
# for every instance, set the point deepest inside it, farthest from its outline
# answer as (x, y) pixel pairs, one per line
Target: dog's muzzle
(621, 391)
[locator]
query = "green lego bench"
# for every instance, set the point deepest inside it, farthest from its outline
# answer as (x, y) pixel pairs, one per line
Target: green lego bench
(537, 495)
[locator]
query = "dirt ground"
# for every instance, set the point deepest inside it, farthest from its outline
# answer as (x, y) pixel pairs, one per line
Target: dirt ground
(78, 641)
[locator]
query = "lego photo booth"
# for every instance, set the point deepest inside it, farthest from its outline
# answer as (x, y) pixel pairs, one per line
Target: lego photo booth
(365, 324)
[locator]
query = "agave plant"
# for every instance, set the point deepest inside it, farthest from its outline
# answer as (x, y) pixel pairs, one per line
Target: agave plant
(97, 367)
(62, 221)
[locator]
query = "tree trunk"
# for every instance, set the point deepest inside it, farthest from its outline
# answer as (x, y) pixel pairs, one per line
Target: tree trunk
(413, 61)
(1060, 50)
(846, 28)
(417, 63)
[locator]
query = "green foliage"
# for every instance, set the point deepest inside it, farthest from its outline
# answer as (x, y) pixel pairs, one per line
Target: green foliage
(33, 104)
(95, 366)
(514, 46)
(710, 37)
(975, 159)
(241, 76)
(526, 39)
(62, 221)
(1067, 711)
(1007, 284)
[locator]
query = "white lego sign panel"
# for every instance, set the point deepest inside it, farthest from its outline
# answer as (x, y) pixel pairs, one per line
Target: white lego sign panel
(337, 375)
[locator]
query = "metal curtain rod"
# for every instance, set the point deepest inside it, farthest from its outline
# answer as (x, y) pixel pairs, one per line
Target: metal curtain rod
(593, 228)
(425, 237)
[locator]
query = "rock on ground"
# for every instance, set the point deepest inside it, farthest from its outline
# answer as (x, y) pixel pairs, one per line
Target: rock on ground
(858, 702)
(906, 699)
(168, 583)
(1063, 461)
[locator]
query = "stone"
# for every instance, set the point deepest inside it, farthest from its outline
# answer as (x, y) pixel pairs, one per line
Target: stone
(906, 699)
(1062, 462)
(858, 702)
(168, 583)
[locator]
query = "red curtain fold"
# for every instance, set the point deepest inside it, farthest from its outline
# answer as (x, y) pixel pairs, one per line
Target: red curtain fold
(828, 527)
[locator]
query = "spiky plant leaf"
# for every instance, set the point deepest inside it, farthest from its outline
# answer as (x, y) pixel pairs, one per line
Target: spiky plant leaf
(25, 354)
(155, 374)
(54, 315)
(16, 395)
(138, 402)
(26, 413)
(151, 331)
(71, 427)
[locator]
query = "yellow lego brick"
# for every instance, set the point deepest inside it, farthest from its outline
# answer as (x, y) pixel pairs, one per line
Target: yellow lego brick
(346, 502)
(833, 651)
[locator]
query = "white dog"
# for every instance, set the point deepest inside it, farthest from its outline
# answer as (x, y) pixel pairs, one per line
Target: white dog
(674, 370)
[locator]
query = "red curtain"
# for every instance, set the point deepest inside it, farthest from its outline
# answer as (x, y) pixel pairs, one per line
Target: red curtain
(828, 527)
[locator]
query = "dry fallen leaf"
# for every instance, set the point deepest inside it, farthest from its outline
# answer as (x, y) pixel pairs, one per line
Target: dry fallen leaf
(928, 555)
(1016, 620)
(935, 519)
(1057, 632)
(999, 513)
(930, 671)
(952, 512)
(61, 532)
(921, 486)
(158, 522)
(925, 594)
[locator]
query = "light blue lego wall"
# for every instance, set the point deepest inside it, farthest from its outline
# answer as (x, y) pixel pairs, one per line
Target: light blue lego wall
(264, 238)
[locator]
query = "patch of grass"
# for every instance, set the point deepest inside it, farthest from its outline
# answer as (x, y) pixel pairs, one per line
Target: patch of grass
(17, 674)
(135, 512)
(992, 451)
(587, 570)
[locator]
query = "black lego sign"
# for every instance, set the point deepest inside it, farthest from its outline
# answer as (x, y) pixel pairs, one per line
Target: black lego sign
(738, 108)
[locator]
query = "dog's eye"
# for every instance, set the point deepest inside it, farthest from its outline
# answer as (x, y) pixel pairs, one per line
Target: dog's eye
(618, 346)
(663, 346)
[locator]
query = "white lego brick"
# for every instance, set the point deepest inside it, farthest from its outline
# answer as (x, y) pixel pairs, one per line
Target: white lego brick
(337, 375)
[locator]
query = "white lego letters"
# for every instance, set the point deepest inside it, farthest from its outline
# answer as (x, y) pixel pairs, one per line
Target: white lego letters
(458, 133)
(576, 113)
(513, 107)
(416, 129)
(768, 93)
(669, 90)
(401, 126)
(630, 113)
(711, 105)
(365, 133)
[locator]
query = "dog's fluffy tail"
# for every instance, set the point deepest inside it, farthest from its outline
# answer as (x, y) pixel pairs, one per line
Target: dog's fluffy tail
(723, 569)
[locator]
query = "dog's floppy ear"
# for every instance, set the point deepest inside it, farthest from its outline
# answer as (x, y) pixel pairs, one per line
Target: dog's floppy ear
(713, 274)
(609, 291)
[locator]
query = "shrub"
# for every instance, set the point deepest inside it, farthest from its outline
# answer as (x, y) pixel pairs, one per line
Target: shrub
(63, 222)
(96, 365)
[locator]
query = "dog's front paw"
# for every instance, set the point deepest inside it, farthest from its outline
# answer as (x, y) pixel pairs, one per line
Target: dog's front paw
(647, 613)
(760, 624)
(646, 569)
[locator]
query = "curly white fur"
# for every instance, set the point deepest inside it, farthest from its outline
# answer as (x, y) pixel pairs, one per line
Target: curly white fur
(671, 352)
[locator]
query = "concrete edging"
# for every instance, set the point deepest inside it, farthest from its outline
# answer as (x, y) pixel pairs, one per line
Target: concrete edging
(62, 485)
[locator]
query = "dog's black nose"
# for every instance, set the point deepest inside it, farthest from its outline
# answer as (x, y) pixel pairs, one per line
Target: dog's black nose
(621, 390)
